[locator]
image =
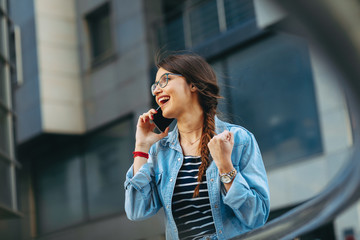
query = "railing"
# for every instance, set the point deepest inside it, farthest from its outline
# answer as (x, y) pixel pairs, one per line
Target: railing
(329, 24)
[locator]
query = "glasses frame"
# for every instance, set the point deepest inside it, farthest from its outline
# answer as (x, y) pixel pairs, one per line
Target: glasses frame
(153, 87)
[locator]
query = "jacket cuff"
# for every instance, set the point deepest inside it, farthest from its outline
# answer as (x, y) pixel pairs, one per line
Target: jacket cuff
(141, 179)
(239, 185)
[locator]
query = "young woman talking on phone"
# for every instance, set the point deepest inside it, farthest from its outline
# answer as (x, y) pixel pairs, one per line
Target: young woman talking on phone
(207, 174)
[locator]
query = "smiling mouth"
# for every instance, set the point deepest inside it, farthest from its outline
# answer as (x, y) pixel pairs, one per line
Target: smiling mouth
(163, 100)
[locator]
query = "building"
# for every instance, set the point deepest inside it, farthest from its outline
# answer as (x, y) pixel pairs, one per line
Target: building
(9, 166)
(88, 67)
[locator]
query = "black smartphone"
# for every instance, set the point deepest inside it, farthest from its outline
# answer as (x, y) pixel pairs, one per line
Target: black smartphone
(160, 121)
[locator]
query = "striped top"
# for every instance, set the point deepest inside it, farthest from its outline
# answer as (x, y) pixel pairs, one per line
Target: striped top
(193, 216)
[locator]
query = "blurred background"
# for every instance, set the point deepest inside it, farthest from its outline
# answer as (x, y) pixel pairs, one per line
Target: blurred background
(75, 74)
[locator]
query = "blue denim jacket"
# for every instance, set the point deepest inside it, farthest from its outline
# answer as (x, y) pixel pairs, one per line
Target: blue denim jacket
(244, 207)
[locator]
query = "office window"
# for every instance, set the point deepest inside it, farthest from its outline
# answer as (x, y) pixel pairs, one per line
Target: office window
(107, 158)
(5, 189)
(188, 24)
(2, 35)
(2, 83)
(99, 26)
(173, 37)
(271, 93)
(203, 21)
(238, 12)
(4, 129)
(59, 193)
(84, 181)
(8, 204)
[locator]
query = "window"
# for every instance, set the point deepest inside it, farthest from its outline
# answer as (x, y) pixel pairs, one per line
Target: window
(203, 21)
(99, 26)
(174, 32)
(5, 186)
(2, 83)
(8, 193)
(59, 192)
(2, 34)
(238, 12)
(107, 158)
(190, 23)
(274, 102)
(3, 55)
(4, 136)
(86, 181)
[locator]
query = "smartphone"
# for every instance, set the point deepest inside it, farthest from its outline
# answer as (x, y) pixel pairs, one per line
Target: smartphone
(160, 121)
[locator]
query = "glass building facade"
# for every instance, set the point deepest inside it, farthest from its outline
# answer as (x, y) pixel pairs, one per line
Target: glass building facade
(8, 163)
(275, 102)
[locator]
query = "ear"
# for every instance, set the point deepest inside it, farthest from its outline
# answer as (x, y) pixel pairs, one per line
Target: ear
(193, 88)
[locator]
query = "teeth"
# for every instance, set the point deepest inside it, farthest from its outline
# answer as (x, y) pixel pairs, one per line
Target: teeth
(162, 99)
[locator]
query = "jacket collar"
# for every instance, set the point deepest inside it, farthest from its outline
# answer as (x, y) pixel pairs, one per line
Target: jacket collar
(173, 138)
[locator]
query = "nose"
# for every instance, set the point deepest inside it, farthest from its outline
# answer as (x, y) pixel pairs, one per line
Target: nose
(157, 90)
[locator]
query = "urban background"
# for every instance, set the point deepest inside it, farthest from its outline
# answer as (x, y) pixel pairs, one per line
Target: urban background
(76, 74)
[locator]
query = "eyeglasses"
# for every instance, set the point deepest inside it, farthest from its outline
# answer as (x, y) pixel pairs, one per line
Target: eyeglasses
(163, 81)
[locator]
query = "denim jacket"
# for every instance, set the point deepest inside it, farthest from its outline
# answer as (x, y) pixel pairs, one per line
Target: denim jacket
(244, 207)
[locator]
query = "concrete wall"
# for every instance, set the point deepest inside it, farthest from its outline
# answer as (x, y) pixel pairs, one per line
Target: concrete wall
(27, 98)
(121, 86)
(50, 100)
(59, 70)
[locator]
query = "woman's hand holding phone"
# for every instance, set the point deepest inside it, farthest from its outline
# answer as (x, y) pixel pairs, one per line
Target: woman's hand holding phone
(145, 135)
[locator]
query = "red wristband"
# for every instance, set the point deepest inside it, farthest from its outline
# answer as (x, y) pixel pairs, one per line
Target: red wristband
(141, 154)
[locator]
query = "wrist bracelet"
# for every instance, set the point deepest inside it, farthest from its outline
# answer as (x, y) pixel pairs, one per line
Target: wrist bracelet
(141, 154)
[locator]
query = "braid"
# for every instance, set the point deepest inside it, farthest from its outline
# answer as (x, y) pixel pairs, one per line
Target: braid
(207, 134)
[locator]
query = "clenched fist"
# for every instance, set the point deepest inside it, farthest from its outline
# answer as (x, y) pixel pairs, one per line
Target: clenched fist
(220, 147)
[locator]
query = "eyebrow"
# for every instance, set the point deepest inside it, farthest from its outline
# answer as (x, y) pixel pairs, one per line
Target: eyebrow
(163, 75)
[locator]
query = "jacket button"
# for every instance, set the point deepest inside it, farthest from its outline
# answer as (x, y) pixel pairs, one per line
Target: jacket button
(212, 179)
(171, 179)
(216, 206)
(179, 159)
(220, 231)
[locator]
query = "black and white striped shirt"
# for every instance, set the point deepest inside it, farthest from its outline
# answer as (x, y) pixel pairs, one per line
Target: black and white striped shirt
(193, 216)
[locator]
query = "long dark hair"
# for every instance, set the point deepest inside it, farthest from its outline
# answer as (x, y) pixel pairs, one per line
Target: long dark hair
(198, 72)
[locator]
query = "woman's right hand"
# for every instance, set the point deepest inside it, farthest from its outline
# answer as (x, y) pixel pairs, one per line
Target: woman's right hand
(145, 135)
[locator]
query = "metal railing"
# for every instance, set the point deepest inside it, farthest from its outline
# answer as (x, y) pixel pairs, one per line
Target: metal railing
(329, 25)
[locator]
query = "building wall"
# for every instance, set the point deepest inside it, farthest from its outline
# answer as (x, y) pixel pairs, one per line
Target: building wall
(72, 96)
(307, 178)
(65, 93)
(50, 100)
(112, 89)
(27, 97)
(8, 163)
(57, 47)
(9, 166)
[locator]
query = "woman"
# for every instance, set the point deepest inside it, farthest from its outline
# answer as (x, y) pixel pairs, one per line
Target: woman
(207, 174)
